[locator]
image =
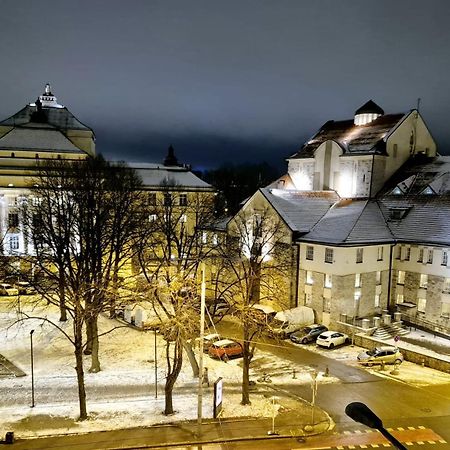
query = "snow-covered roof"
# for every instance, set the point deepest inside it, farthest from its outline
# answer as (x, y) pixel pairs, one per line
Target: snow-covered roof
(157, 175)
(46, 138)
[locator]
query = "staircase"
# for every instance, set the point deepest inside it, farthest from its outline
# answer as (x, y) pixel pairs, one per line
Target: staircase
(389, 331)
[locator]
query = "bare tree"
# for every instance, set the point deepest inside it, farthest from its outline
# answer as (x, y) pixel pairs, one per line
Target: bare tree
(253, 267)
(171, 251)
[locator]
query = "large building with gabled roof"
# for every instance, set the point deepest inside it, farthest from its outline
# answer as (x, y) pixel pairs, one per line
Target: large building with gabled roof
(366, 204)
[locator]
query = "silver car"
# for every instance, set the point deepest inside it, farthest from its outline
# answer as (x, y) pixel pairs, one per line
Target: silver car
(386, 355)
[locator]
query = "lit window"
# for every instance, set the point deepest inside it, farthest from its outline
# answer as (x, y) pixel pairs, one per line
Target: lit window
(309, 277)
(357, 295)
(310, 252)
(377, 301)
(421, 304)
(430, 256)
(378, 277)
(14, 243)
(423, 280)
(359, 255)
(380, 254)
(357, 280)
(445, 310)
(214, 239)
(444, 261)
(152, 217)
(204, 237)
(329, 255)
(399, 298)
(183, 218)
(328, 283)
(183, 200)
(420, 257)
(308, 299)
(401, 277)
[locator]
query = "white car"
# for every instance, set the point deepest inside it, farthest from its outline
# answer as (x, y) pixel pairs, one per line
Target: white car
(331, 339)
(7, 289)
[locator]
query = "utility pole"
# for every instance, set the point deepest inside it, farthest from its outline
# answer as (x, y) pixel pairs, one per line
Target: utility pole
(32, 369)
(200, 356)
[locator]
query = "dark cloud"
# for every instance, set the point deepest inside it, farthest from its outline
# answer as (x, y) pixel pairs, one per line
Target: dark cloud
(236, 80)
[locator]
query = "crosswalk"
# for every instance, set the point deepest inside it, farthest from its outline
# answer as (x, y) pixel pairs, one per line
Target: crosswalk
(368, 439)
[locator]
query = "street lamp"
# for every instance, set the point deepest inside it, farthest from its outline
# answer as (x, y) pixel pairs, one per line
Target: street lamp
(32, 368)
(361, 413)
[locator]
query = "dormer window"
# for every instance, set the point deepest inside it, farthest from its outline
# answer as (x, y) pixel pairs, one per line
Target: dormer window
(428, 191)
(397, 213)
(367, 113)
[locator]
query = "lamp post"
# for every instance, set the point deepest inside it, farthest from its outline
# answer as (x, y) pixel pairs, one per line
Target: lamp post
(200, 356)
(156, 367)
(32, 368)
(272, 432)
(361, 413)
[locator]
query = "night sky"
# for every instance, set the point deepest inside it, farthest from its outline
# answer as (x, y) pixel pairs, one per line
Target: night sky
(232, 81)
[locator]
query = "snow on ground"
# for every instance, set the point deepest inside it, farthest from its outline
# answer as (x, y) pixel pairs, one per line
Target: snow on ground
(122, 394)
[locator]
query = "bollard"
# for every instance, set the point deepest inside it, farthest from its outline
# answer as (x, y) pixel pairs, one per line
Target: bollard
(382, 366)
(9, 437)
(327, 372)
(395, 371)
(294, 376)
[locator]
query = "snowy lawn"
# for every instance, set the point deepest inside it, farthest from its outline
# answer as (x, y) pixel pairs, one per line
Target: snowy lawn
(123, 393)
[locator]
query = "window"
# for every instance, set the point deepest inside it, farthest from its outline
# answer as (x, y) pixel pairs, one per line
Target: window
(13, 220)
(183, 218)
(309, 277)
(445, 310)
(329, 255)
(357, 280)
(309, 252)
(14, 243)
(377, 301)
(183, 200)
(407, 254)
(444, 261)
(430, 256)
(394, 150)
(167, 199)
(359, 255)
(380, 254)
(399, 298)
(327, 282)
(420, 257)
(357, 295)
(378, 277)
(446, 287)
(308, 299)
(152, 199)
(204, 237)
(423, 281)
(398, 252)
(421, 305)
(214, 239)
(326, 305)
(152, 217)
(401, 277)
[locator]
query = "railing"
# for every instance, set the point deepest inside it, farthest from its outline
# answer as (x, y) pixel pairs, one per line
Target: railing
(441, 326)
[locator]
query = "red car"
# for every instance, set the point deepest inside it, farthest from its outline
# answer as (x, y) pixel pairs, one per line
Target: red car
(225, 349)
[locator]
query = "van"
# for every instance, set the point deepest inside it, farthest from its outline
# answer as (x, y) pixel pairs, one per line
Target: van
(291, 320)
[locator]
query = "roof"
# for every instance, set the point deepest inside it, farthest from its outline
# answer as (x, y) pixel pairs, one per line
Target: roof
(353, 139)
(60, 118)
(157, 175)
(300, 210)
(45, 138)
(369, 107)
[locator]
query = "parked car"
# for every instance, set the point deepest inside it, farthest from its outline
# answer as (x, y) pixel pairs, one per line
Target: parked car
(24, 288)
(387, 355)
(219, 308)
(225, 349)
(7, 289)
(332, 339)
(208, 340)
(308, 334)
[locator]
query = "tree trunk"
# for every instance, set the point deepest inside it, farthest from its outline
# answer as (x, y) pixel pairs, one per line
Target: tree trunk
(173, 371)
(115, 280)
(95, 362)
(62, 297)
(79, 368)
(192, 359)
(89, 337)
(245, 372)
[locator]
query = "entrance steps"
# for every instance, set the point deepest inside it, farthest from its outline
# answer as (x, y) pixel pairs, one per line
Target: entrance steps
(390, 331)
